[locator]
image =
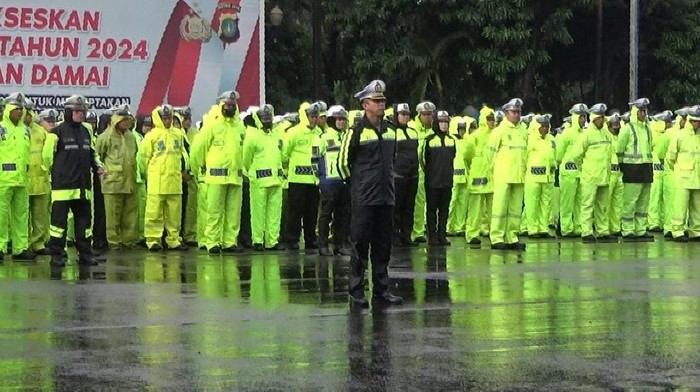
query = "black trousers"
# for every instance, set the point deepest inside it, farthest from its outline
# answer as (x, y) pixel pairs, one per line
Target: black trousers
(81, 220)
(302, 205)
(335, 207)
(370, 227)
(99, 226)
(245, 235)
(437, 202)
(405, 191)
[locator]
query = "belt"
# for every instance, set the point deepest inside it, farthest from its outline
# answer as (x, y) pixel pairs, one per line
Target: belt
(304, 170)
(218, 172)
(615, 167)
(658, 167)
(9, 167)
(538, 170)
(460, 172)
(570, 166)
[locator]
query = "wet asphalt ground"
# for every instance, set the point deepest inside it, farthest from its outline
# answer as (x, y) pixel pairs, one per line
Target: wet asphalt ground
(562, 316)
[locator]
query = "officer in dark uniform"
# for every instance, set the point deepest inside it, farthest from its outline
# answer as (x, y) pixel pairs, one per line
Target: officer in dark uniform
(74, 161)
(367, 161)
(405, 175)
(437, 158)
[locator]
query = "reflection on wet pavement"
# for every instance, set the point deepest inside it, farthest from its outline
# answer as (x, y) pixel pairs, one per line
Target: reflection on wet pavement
(563, 315)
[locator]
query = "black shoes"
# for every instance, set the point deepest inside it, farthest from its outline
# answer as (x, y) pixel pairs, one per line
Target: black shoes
(277, 247)
(216, 250)
(474, 241)
(25, 255)
(516, 246)
(57, 261)
(233, 249)
(180, 248)
(155, 248)
(420, 240)
(680, 239)
(588, 239)
(499, 246)
(387, 298)
(87, 261)
(358, 301)
(444, 242)
(258, 247)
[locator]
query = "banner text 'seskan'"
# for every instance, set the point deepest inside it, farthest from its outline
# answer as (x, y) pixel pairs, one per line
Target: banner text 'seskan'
(49, 19)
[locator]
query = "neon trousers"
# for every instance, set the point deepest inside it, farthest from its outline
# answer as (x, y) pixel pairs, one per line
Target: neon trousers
(478, 215)
(121, 212)
(457, 218)
(569, 203)
(658, 200)
(686, 208)
(538, 203)
(635, 205)
(39, 209)
(616, 189)
(142, 208)
(419, 209)
(266, 214)
(224, 215)
(669, 194)
(202, 215)
(507, 210)
(595, 200)
(163, 212)
(190, 229)
(14, 218)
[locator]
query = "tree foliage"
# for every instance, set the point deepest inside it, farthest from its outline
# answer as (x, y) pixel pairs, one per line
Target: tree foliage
(468, 52)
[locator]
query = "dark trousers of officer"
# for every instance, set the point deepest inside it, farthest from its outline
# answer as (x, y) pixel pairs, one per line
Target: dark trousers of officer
(99, 227)
(302, 204)
(335, 207)
(437, 202)
(405, 191)
(245, 235)
(81, 220)
(370, 227)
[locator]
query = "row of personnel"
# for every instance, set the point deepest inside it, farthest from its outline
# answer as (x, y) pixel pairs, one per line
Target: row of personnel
(457, 173)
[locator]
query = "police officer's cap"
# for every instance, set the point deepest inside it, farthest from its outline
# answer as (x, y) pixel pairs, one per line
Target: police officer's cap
(91, 116)
(641, 103)
(229, 97)
(527, 118)
(402, 108)
(625, 117)
(443, 115)
(48, 115)
(513, 104)
(374, 91)
(567, 119)
(579, 109)
(185, 111)
(499, 115)
(76, 102)
(322, 108)
(425, 106)
(29, 104)
(614, 118)
(166, 111)
(598, 109)
(544, 119)
(266, 110)
(665, 116)
(15, 99)
(337, 111)
(694, 113)
(122, 110)
(313, 110)
(682, 111)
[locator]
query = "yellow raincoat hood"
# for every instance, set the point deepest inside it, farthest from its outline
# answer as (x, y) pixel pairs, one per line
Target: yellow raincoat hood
(483, 113)
(10, 107)
(157, 121)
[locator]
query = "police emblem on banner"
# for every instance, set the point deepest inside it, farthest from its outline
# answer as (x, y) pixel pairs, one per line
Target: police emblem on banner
(194, 28)
(226, 20)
